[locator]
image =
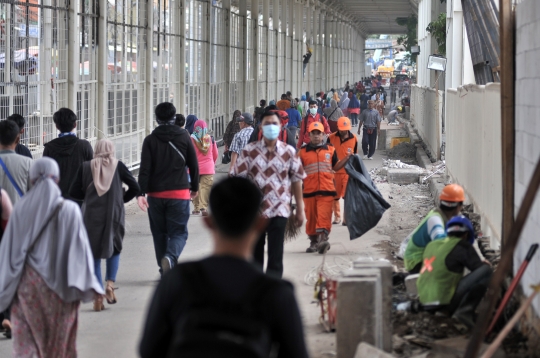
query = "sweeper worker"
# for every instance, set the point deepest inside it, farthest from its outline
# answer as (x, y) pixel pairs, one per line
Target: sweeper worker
(345, 144)
(432, 227)
(441, 285)
(319, 160)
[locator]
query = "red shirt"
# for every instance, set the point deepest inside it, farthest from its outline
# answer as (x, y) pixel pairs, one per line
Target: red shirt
(182, 194)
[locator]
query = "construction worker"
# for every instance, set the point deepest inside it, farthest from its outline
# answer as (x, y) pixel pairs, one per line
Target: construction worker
(345, 144)
(441, 285)
(432, 227)
(319, 160)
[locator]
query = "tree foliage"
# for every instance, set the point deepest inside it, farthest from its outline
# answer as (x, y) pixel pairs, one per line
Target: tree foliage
(437, 29)
(411, 37)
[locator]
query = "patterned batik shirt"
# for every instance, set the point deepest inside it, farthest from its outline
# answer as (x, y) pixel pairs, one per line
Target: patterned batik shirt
(273, 172)
(241, 139)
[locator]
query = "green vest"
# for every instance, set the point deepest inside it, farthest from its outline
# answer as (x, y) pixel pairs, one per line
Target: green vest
(413, 252)
(436, 284)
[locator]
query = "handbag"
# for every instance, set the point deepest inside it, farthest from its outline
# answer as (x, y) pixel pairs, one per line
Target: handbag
(226, 157)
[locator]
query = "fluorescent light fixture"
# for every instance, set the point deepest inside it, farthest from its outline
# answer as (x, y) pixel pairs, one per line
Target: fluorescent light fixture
(437, 63)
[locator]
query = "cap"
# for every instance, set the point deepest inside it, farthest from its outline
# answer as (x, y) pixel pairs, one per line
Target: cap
(246, 117)
(344, 124)
(460, 224)
(316, 126)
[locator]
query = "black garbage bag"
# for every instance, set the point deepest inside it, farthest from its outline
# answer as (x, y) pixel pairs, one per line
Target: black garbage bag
(364, 204)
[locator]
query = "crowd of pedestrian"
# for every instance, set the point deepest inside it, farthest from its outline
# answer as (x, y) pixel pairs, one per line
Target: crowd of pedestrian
(286, 166)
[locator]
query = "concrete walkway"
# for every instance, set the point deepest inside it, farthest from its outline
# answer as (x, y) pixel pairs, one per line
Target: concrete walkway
(116, 331)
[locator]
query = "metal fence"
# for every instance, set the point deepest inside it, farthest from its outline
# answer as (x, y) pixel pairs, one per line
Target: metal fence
(113, 61)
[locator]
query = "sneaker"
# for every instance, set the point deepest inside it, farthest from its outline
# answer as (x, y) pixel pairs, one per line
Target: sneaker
(370, 158)
(166, 264)
(365, 157)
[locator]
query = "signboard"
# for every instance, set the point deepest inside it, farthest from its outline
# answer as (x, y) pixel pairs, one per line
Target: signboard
(33, 31)
(372, 44)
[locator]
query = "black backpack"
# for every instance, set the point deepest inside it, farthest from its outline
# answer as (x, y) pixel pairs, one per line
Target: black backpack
(216, 327)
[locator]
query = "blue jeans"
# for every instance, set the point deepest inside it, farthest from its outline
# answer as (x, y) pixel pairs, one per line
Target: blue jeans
(111, 264)
(168, 223)
(354, 118)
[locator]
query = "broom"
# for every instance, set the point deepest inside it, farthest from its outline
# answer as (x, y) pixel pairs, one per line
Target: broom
(291, 230)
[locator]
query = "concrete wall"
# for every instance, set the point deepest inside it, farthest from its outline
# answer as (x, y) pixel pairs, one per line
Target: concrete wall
(473, 151)
(427, 116)
(527, 132)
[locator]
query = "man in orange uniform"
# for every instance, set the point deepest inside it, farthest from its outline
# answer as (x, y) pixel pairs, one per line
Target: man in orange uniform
(320, 161)
(346, 144)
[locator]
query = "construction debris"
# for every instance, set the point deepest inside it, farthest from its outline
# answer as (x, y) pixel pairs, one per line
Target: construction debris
(403, 151)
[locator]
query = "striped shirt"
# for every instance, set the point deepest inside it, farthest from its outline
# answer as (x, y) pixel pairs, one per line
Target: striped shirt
(241, 139)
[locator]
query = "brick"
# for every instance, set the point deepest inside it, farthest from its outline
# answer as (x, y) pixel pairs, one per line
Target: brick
(410, 284)
(403, 176)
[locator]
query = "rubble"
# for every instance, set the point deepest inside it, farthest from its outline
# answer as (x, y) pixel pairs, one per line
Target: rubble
(403, 151)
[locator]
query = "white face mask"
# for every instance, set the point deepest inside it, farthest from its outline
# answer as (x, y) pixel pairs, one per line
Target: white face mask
(313, 111)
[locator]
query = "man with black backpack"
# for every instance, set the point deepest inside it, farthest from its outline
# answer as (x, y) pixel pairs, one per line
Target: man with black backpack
(167, 154)
(223, 306)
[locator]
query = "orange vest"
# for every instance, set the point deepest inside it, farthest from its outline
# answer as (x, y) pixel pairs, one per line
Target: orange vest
(350, 145)
(318, 167)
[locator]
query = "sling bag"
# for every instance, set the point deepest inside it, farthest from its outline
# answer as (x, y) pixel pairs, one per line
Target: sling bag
(19, 191)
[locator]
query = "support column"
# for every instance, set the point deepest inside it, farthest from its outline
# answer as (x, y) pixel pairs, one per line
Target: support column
(226, 5)
(275, 33)
(255, 65)
(102, 49)
(322, 49)
(309, 42)
(266, 27)
(242, 5)
(73, 56)
(181, 66)
(298, 51)
(290, 49)
(208, 19)
(316, 52)
(149, 95)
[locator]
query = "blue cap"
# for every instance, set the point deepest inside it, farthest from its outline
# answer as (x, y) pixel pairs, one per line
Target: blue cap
(460, 223)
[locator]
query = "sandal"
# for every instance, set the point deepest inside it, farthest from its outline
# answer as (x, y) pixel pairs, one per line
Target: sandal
(109, 293)
(195, 212)
(336, 222)
(98, 303)
(6, 324)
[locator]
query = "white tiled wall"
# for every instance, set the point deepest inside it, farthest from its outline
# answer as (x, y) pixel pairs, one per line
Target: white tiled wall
(528, 132)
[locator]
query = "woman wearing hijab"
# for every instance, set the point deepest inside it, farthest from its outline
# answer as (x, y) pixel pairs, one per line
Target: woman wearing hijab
(232, 128)
(336, 97)
(99, 183)
(333, 113)
(353, 108)
(207, 154)
(190, 122)
(46, 268)
(379, 105)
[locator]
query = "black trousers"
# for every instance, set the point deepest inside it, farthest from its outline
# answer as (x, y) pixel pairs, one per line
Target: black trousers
(275, 231)
(369, 141)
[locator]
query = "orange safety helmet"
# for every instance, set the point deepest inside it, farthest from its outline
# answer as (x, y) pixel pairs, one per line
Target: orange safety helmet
(453, 193)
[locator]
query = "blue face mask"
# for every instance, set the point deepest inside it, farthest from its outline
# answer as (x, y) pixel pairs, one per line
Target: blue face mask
(270, 131)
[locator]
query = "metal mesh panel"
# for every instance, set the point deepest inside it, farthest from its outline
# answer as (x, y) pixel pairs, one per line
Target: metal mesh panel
(263, 66)
(272, 60)
(166, 70)
(126, 38)
(195, 56)
(250, 95)
(218, 53)
(33, 66)
(237, 68)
